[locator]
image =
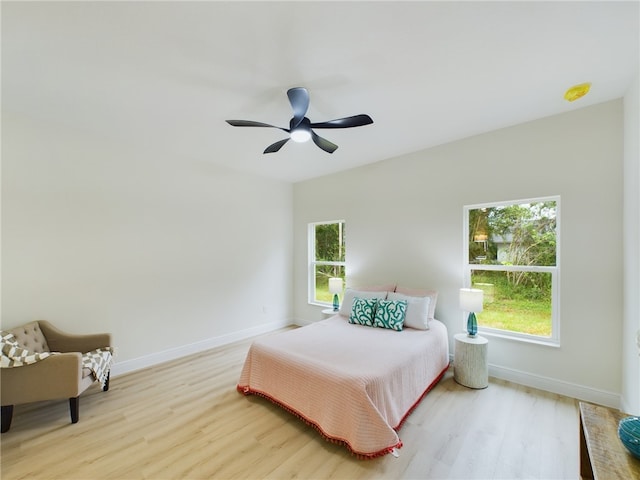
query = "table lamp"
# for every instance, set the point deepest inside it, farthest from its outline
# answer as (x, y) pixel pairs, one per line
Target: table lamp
(471, 301)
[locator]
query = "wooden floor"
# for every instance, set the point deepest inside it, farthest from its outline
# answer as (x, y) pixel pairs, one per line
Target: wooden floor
(185, 420)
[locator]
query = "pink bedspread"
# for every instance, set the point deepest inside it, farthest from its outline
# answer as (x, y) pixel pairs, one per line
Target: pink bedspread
(355, 384)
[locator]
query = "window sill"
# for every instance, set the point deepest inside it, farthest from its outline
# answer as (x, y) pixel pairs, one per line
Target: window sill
(323, 305)
(546, 342)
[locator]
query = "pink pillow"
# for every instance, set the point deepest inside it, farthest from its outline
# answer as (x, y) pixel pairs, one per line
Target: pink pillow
(377, 288)
(413, 292)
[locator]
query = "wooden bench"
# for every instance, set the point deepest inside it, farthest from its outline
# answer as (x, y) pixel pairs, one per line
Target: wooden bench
(602, 454)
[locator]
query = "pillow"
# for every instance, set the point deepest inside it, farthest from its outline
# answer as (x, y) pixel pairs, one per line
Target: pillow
(350, 294)
(417, 310)
(432, 294)
(390, 314)
(31, 338)
(363, 311)
(13, 355)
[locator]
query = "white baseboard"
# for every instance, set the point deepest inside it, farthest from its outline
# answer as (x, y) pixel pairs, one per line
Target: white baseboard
(540, 382)
(127, 366)
(553, 385)
(568, 389)
(302, 323)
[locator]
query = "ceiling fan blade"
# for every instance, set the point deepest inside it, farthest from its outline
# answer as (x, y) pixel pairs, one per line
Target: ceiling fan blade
(347, 122)
(251, 123)
(299, 100)
(274, 147)
(323, 143)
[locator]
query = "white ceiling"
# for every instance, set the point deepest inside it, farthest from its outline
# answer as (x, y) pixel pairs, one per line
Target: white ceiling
(164, 76)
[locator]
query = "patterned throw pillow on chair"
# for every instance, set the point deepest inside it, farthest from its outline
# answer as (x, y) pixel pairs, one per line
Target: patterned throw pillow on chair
(390, 314)
(363, 311)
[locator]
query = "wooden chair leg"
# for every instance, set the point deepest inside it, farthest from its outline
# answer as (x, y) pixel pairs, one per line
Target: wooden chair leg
(105, 387)
(74, 407)
(7, 416)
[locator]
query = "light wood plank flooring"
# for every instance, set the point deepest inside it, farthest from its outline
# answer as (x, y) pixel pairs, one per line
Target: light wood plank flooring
(185, 420)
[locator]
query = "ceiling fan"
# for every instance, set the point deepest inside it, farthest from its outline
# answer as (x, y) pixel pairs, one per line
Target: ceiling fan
(300, 127)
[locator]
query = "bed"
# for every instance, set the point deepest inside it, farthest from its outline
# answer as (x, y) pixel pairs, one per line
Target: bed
(355, 384)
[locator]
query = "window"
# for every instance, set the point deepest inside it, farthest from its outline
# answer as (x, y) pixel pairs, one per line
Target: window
(512, 254)
(326, 259)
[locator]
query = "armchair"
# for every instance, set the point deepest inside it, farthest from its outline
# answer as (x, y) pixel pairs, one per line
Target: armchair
(60, 375)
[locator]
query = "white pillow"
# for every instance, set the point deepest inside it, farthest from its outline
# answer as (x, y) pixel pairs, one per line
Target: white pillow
(350, 294)
(417, 315)
(413, 292)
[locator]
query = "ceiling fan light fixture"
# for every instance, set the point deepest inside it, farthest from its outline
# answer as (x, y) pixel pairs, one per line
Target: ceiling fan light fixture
(300, 127)
(301, 135)
(577, 91)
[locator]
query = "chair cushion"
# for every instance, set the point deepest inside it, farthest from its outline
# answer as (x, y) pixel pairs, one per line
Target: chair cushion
(31, 338)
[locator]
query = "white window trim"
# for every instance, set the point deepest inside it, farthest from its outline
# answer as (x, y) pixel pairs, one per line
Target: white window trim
(311, 268)
(554, 339)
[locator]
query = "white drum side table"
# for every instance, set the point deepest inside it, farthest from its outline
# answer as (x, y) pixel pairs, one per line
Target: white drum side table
(470, 362)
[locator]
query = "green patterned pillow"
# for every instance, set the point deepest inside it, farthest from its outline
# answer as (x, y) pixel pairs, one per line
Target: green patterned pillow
(390, 314)
(363, 311)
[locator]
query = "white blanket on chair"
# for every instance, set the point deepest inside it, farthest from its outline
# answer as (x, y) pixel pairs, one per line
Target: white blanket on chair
(99, 362)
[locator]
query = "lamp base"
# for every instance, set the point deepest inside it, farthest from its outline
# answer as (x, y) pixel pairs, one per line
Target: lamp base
(472, 325)
(336, 302)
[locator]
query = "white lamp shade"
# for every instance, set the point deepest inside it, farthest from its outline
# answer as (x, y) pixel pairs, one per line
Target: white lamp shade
(471, 299)
(335, 285)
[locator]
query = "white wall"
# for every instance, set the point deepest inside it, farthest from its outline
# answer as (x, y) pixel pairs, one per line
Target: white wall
(630, 353)
(168, 255)
(404, 224)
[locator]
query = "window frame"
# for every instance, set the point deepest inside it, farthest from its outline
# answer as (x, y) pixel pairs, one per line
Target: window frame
(312, 262)
(554, 339)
